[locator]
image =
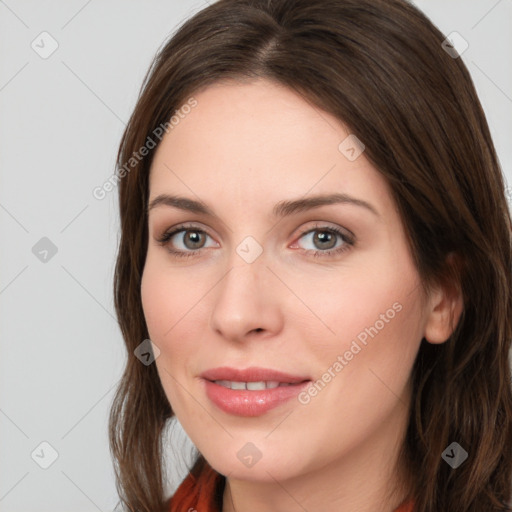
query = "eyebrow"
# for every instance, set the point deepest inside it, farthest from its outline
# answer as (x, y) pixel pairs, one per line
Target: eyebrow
(281, 209)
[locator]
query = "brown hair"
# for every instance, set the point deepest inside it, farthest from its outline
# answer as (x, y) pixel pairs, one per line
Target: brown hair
(379, 67)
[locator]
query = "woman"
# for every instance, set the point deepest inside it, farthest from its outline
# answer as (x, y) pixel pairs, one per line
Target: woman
(316, 240)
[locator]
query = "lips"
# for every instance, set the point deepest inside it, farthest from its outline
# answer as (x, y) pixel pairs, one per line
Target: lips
(252, 374)
(251, 391)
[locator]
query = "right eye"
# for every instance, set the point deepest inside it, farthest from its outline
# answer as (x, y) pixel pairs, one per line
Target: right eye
(185, 241)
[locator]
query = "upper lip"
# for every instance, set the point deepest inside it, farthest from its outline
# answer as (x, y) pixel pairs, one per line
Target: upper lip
(252, 374)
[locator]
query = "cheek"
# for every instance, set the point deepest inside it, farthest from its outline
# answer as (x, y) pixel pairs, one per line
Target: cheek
(387, 312)
(176, 304)
(168, 296)
(169, 301)
(156, 302)
(369, 383)
(376, 322)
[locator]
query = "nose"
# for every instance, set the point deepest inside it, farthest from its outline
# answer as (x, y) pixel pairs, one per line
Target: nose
(247, 303)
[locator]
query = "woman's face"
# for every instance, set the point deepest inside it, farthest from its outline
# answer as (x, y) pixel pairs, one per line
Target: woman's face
(288, 256)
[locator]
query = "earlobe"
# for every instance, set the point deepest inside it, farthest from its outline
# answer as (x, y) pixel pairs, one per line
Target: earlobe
(446, 304)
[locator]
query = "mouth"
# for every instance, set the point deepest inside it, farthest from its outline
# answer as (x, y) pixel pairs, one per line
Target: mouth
(251, 391)
(251, 386)
(251, 375)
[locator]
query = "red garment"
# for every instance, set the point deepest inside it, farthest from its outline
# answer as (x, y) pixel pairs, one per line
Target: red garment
(204, 493)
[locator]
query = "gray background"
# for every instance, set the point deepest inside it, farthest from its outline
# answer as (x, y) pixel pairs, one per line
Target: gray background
(61, 121)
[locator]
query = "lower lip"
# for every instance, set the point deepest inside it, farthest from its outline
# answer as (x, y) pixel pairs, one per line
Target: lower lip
(251, 403)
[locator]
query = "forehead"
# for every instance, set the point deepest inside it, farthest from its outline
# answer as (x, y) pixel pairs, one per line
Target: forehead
(258, 140)
(244, 116)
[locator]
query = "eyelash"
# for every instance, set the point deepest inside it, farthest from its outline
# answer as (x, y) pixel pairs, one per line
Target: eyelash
(348, 241)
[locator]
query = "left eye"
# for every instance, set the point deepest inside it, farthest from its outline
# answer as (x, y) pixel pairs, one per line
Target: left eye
(324, 239)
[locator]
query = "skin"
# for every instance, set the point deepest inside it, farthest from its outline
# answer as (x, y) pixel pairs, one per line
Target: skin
(241, 150)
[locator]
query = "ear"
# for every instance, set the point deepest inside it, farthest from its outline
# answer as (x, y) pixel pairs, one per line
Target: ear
(445, 306)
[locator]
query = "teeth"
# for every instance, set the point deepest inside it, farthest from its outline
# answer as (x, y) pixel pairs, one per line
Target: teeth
(256, 386)
(251, 386)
